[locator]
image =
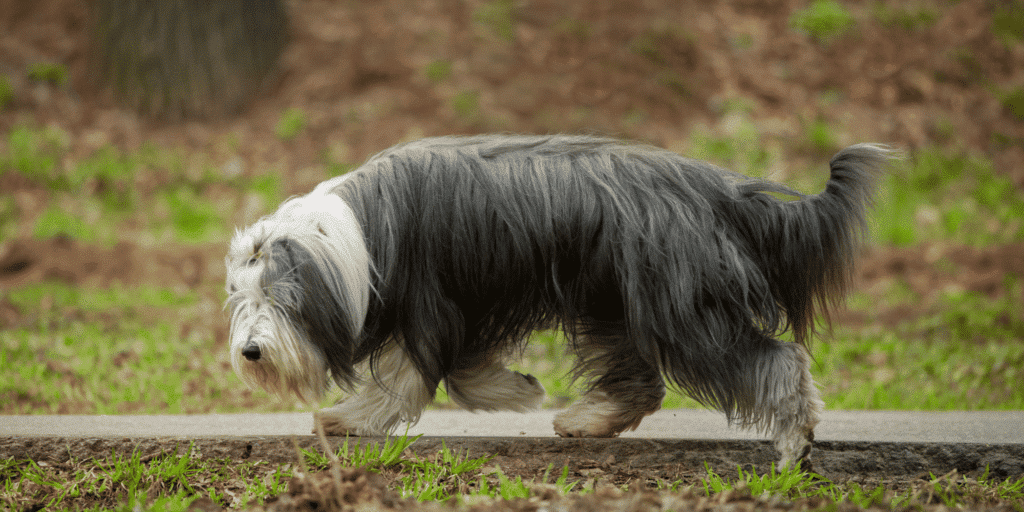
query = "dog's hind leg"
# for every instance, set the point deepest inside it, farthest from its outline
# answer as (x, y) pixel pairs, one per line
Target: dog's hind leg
(623, 390)
(492, 387)
(396, 393)
(786, 401)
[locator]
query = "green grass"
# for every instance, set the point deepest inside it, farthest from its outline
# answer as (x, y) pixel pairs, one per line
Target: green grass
(466, 105)
(438, 71)
(77, 347)
(947, 195)
(55, 221)
(823, 20)
(290, 124)
(821, 137)
(910, 17)
(1013, 102)
(497, 17)
(740, 149)
(961, 354)
(132, 482)
(67, 355)
(951, 490)
(175, 480)
(73, 348)
(99, 197)
(1008, 21)
(6, 92)
(33, 153)
(56, 74)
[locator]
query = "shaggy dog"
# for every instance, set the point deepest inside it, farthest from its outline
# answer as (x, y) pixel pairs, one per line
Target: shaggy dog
(434, 261)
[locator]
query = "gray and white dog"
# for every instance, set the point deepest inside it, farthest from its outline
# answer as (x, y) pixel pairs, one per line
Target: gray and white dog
(435, 260)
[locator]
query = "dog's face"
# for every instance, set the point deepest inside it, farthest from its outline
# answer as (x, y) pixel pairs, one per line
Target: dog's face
(298, 287)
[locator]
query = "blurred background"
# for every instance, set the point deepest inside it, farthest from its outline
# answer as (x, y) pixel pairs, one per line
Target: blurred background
(137, 135)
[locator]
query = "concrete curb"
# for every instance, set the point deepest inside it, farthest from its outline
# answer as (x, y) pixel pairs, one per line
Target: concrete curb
(875, 426)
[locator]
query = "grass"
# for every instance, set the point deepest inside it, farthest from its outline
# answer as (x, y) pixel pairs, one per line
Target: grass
(174, 480)
(6, 92)
(911, 17)
(170, 481)
(70, 349)
(55, 74)
(290, 124)
(497, 18)
(951, 490)
(466, 105)
(438, 71)
(76, 345)
(960, 356)
(1008, 21)
(948, 195)
(823, 20)
(66, 354)
(98, 198)
(1013, 102)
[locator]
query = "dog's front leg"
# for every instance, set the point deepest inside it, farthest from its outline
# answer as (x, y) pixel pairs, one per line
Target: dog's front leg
(395, 393)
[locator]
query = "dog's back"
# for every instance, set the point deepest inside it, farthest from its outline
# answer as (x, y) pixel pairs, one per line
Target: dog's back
(674, 245)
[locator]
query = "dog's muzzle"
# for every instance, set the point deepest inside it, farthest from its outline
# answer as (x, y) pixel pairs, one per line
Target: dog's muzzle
(251, 351)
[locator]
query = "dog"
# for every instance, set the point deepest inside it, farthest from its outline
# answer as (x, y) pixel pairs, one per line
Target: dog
(434, 261)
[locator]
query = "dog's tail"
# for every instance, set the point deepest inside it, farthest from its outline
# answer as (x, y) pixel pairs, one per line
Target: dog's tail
(807, 247)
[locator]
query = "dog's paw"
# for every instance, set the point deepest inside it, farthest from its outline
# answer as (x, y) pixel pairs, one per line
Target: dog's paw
(795, 448)
(334, 424)
(593, 416)
(531, 393)
(331, 425)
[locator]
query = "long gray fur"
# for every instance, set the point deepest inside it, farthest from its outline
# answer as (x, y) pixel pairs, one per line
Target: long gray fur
(691, 270)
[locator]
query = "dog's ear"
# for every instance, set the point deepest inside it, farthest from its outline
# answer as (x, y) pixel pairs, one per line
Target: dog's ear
(309, 291)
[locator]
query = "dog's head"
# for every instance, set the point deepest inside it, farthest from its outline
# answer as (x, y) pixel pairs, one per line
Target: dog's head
(298, 286)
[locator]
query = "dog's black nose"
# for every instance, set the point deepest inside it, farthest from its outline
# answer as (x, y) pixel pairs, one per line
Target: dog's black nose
(251, 351)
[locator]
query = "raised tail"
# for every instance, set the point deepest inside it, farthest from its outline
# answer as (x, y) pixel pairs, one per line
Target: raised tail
(807, 247)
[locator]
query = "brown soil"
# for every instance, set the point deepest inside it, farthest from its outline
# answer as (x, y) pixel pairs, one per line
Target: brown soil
(654, 70)
(647, 467)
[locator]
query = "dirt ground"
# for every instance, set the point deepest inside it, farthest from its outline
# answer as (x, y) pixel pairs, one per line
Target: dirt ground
(624, 472)
(654, 70)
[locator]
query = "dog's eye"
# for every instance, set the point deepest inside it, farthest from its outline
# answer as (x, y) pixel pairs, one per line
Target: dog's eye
(232, 288)
(257, 251)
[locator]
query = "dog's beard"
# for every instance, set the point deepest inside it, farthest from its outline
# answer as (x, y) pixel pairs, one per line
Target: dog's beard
(288, 365)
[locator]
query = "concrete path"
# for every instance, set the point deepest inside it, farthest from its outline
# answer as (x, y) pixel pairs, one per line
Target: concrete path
(987, 427)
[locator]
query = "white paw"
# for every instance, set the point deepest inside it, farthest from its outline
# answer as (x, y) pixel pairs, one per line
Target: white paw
(594, 415)
(344, 420)
(795, 447)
